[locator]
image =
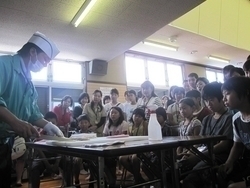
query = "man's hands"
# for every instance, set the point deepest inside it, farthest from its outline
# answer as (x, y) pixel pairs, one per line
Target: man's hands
(24, 129)
(52, 129)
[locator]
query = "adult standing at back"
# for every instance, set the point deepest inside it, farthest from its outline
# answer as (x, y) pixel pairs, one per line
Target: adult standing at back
(150, 100)
(96, 113)
(63, 112)
(18, 98)
(114, 94)
(83, 99)
(192, 77)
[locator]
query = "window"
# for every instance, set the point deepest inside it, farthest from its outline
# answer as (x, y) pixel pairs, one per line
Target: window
(135, 70)
(220, 77)
(41, 75)
(156, 73)
(214, 75)
(211, 76)
(175, 76)
(67, 72)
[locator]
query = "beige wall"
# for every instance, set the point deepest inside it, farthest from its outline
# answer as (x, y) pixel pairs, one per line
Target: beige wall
(116, 72)
(226, 21)
(188, 68)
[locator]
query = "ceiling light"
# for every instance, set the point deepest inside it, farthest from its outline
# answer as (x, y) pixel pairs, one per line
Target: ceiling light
(82, 12)
(218, 59)
(160, 45)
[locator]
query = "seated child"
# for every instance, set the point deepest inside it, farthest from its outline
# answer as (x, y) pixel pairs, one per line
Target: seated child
(219, 123)
(236, 96)
(190, 126)
(83, 125)
(52, 166)
(114, 126)
(139, 128)
(200, 112)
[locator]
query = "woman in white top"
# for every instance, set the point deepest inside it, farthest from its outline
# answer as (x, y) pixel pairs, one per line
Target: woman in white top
(150, 100)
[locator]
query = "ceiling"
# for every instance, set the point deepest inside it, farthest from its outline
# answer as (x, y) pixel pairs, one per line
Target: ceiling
(188, 42)
(109, 29)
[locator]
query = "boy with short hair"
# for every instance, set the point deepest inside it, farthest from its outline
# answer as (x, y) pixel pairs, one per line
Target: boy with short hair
(192, 77)
(200, 111)
(173, 112)
(114, 94)
(236, 93)
(83, 123)
(219, 123)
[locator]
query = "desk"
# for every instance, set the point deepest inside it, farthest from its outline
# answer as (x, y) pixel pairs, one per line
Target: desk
(168, 143)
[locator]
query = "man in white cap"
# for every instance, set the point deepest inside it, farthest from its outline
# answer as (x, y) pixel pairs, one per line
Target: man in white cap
(18, 98)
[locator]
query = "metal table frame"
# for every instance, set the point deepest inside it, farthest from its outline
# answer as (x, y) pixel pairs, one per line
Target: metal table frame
(168, 143)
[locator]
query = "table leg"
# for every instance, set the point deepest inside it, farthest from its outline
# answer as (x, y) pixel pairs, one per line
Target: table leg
(67, 170)
(101, 182)
(211, 155)
(174, 169)
(30, 161)
(163, 170)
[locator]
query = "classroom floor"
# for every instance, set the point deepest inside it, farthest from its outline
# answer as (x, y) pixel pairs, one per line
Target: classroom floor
(49, 183)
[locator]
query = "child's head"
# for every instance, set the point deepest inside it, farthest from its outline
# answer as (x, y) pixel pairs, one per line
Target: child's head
(246, 67)
(226, 71)
(192, 77)
(236, 92)
(106, 99)
(83, 122)
(187, 107)
(116, 115)
(148, 89)
(195, 96)
(67, 101)
(83, 98)
(97, 96)
(114, 94)
(51, 117)
(132, 96)
(126, 96)
(212, 95)
(138, 116)
(161, 115)
(201, 82)
(186, 85)
(179, 93)
(171, 92)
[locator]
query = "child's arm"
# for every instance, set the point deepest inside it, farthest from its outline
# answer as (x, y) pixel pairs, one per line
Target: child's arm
(179, 150)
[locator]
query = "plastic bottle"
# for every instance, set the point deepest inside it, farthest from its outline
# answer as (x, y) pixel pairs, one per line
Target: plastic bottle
(154, 129)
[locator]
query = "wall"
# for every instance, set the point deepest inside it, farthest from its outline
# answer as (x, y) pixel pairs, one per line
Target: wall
(188, 68)
(116, 68)
(226, 21)
(115, 78)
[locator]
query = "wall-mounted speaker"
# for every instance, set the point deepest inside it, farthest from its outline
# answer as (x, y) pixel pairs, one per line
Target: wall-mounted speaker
(98, 67)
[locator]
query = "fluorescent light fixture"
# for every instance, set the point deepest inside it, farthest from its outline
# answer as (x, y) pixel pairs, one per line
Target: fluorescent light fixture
(160, 45)
(218, 59)
(82, 12)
